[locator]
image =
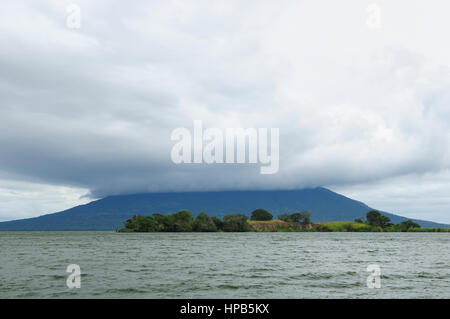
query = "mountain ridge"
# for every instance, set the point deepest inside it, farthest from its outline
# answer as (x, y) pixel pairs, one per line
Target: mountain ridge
(111, 212)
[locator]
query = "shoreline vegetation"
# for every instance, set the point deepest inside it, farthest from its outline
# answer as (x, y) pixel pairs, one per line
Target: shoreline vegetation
(262, 221)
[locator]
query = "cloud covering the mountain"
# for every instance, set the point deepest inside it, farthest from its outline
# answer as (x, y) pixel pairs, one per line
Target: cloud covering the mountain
(91, 110)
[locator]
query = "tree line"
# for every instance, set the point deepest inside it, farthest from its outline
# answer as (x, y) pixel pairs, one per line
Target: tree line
(184, 221)
(383, 223)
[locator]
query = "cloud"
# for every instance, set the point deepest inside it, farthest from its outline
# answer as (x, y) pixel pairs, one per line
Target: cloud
(415, 195)
(24, 199)
(92, 109)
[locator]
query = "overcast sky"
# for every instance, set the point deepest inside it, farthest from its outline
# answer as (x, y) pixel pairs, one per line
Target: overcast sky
(362, 108)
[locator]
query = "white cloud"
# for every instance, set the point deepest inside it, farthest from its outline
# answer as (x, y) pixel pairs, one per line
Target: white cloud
(23, 200)
(422, 196)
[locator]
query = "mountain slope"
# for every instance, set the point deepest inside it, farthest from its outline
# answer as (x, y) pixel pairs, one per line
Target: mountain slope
(110, 213)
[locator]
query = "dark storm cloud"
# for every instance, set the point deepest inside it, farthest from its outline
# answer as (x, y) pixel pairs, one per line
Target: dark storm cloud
(94, 108)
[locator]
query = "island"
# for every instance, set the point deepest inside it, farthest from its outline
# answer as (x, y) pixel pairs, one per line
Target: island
(262, 221)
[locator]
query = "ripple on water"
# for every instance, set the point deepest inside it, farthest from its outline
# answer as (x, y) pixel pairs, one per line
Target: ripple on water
(239, 265)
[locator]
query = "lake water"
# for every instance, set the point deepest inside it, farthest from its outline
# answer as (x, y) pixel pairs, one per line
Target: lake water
(224, 265)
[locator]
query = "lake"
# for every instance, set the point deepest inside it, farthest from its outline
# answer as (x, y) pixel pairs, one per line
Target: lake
(224, 265)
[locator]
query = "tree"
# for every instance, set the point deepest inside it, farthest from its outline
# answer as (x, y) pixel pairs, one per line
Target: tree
(203, 223)
(301, 217)
(374, 218)
(140, 223)
(131, 223)
(407, 225)
(218, 222)
(359, 220)
(235, 223)
(181, 221)
(285, 217)
(164, 222)
(261, 215)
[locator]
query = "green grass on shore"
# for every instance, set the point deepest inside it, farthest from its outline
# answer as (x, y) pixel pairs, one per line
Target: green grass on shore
(344, 227)
(281, 226)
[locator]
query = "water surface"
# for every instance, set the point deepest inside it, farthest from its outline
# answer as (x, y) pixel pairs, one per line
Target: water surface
(224, 265)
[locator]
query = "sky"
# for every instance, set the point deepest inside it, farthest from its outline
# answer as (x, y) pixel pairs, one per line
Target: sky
(360, 92)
